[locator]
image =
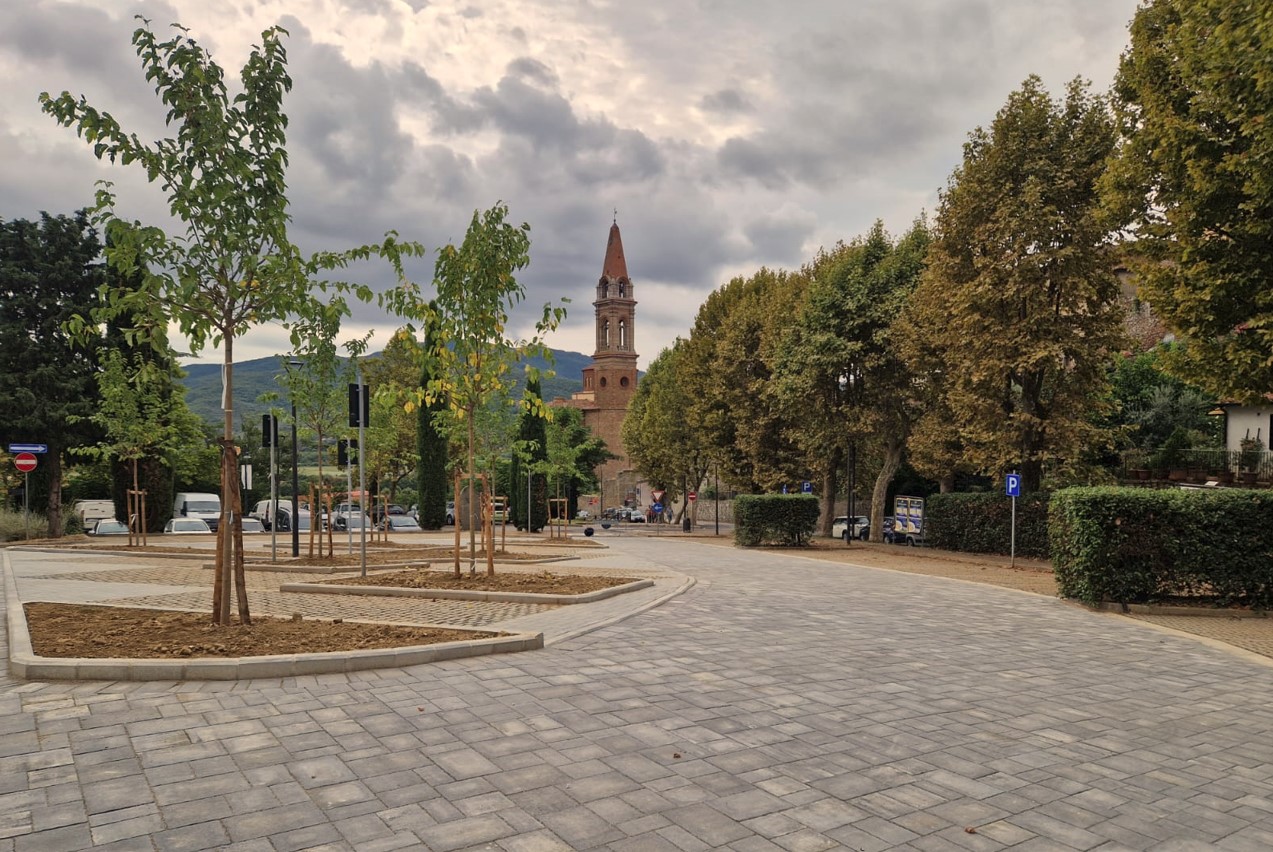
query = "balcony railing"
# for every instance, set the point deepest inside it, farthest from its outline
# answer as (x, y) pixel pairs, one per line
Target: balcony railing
(1223, 467)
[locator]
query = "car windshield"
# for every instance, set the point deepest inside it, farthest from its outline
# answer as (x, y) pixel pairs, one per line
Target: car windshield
(110, 527)
(202, 506)
(189, 525)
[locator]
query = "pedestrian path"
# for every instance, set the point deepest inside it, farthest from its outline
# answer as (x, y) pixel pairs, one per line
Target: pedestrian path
(779, 704)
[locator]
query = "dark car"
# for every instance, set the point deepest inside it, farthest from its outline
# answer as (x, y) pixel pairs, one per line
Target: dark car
(888, 530)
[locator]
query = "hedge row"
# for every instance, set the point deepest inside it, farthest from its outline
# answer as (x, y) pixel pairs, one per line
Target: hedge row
(783, 519)
(982, 523)
(1136, 545)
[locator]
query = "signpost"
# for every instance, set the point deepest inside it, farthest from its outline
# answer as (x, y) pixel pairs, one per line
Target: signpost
(26, 462)
(806, 487)
(1012, 487)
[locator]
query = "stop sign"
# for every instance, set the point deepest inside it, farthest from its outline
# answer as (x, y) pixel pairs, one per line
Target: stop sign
(25, 462)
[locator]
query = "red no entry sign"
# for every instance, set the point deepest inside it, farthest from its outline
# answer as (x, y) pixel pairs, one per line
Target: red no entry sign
(692, 496)
(25, 462)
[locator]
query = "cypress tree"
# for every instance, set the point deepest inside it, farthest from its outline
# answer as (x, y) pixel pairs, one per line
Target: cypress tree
(432, 447)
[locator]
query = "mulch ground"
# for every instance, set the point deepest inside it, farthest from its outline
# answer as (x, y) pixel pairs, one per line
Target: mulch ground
(540, 583)
(77, 630)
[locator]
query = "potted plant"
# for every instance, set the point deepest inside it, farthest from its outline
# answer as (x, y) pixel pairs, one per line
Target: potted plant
(1171, 457)
(1250, 454)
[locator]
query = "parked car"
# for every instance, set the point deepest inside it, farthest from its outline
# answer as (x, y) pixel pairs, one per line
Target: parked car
(187, 526)
(252, 525)
(92, 511)
(840, 527)
(109, 526)
(198, 504)
(349, 516)
(888, 530)
(450, 513)
(400, 524)
(285, 518)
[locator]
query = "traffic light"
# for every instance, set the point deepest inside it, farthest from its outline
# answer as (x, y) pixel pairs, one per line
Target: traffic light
(269, 430)
(343, 446)
(359, 413)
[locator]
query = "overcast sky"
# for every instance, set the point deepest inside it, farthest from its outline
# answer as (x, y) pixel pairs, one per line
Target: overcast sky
(728, 134)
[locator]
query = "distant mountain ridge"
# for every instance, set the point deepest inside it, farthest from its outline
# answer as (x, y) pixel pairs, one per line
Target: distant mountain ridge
(254, 378)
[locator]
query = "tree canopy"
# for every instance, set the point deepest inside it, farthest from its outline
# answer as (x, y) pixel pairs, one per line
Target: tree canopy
(1017, 316)
(1193, 97)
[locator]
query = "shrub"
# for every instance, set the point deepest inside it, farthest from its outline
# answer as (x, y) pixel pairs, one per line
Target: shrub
(982, 523)
(782, 519)
(73, 525)
(1134, 545)
(13, 527)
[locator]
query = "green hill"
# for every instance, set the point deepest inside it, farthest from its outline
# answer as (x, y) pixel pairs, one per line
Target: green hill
(254, 378)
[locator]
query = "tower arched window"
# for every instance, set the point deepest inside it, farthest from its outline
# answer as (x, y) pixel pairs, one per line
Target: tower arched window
(606, 334)
(623, 333)
(623, 289)
(601, 288)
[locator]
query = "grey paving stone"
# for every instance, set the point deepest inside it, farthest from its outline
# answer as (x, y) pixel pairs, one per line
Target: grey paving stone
(192, 838)
(922, 720)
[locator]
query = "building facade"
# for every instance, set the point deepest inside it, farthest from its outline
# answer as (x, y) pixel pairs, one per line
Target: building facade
(610, 382)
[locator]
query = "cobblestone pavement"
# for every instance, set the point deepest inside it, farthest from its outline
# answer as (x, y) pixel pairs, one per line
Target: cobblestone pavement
(1254, 635)
(782, 703)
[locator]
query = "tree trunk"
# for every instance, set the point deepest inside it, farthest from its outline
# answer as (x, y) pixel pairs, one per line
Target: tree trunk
(892, 461)
(829, 487)
(225, 539)
(947, 483)
(472, 459)
(55, 492)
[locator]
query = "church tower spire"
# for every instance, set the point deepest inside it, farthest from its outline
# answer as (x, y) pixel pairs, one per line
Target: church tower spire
(615, 304)
(610, 381)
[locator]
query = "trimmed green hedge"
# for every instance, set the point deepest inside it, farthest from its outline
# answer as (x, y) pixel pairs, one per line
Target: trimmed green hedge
(1137, 545)
(783, 519)
(982, 523)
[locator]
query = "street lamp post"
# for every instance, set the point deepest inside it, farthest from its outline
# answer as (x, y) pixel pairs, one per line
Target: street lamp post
(847, 382)
(296, 481)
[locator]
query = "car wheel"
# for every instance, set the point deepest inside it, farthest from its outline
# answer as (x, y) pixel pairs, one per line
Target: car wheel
(864, 535)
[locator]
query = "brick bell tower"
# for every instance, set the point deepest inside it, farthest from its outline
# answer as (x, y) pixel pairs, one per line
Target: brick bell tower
(610, 382)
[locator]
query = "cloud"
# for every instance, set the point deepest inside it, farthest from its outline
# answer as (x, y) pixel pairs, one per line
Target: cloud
(726, 141)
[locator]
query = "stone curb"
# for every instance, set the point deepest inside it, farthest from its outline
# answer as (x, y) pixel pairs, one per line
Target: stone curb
(687, 584)
(1159, 609)
(25, 664)
(464, 594)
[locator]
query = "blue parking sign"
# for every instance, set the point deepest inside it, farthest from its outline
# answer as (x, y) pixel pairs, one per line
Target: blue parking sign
(806, 487)
(1012, 485)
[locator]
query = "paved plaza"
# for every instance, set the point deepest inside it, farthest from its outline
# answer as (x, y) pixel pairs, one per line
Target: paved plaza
(777, 703)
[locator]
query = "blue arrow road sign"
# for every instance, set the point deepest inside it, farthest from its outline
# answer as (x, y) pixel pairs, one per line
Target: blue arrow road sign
(657, 507)
(28, 448)
(1012, 485)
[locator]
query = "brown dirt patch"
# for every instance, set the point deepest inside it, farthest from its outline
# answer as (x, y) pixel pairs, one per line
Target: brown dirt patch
(540, 583)
(76, 630)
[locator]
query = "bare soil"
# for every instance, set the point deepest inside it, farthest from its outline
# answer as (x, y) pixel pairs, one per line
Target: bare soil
(540, 583)
(77, 630)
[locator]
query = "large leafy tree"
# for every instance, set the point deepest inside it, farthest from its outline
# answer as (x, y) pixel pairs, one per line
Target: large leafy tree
(233, 266)
(142, 417)
(839, 366)
(663, 445)
(49, 271)
(1194, 96)
(1017, 312)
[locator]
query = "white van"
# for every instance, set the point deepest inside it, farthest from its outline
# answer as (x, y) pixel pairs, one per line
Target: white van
(195, 504)
(92, 511)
